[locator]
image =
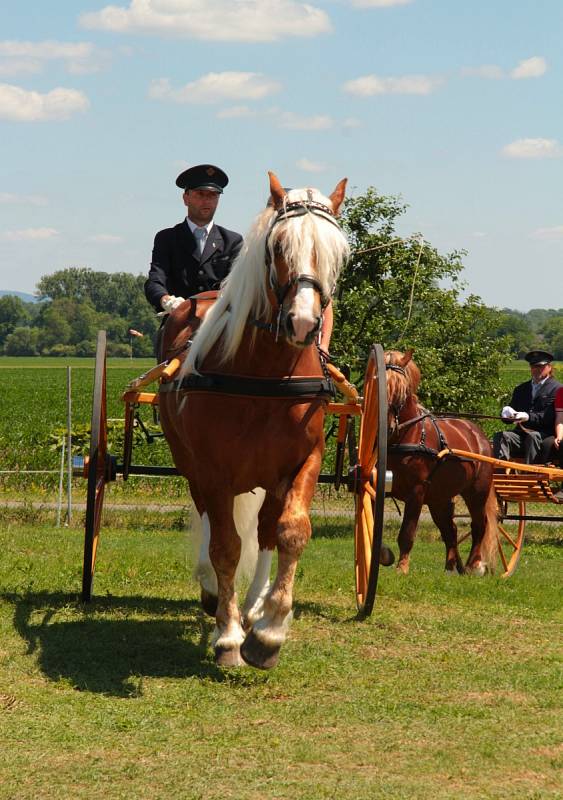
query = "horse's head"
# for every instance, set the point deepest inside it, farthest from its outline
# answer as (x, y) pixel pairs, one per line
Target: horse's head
(305, 250)
(403, 378)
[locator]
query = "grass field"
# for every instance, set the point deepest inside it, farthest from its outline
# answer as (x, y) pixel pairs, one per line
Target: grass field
(450, 690)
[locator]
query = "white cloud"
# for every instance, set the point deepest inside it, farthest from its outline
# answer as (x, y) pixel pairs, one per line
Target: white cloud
(533, 67)
(21, 105)
(105, 238)
(297, 122)
(6, 198)
(533, 148)
(488, 71)
(369, 85)
(380, 3)
(216, 87)
(219, 21)
(28, 234)
(236, 111)
(17, 57)
(310, 166)
(351, 122)
(549, 234)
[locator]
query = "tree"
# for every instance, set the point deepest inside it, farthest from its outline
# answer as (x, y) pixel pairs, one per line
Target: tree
(553, 336)
(13, 313)
(516, 326)
(22, 342)
(402, 293)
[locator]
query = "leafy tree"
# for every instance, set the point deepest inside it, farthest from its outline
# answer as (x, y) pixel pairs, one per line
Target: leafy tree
(13, 313)
(393, 292)
(516, 326)
(553, 336)
(22, 342)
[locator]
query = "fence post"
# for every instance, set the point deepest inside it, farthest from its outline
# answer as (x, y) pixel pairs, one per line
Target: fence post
(69, 442)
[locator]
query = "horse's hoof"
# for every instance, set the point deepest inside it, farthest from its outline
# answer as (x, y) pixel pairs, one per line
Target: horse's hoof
(209, 602)
(228, 657)
(451, 573)
(258, 654)
(386, 557)
(478, 568)
(403, 568)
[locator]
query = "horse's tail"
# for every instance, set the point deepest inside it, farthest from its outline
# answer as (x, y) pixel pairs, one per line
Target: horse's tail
(489, 545)
(246, 509)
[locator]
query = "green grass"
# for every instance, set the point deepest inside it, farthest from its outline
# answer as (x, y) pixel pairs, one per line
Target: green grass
(449, 690)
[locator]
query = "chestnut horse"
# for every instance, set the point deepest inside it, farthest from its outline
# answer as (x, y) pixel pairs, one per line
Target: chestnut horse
(419, 476)
(247, 409)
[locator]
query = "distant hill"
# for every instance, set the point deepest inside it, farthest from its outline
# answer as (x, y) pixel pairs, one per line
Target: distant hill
(27, 298)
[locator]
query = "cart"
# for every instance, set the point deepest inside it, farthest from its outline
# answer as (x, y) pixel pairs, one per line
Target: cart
(363, 442)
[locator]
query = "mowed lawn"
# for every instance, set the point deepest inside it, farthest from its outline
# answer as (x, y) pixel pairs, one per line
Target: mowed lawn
(450, 690)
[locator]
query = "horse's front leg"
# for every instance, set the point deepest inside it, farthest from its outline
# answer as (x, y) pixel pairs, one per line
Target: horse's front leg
(269, 515)
(407, 532)
(293, 530)
(224, 552)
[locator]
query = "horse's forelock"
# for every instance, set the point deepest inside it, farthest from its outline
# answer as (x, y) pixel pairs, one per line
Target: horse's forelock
(401, 386)
(302, 236)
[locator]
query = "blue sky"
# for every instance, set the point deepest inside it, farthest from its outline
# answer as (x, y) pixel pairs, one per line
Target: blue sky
(455, 106)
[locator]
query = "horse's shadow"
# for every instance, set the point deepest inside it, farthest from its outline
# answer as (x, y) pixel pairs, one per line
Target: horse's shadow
(109, 647)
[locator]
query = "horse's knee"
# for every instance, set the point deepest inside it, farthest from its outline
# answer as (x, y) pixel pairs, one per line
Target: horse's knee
(293, 533)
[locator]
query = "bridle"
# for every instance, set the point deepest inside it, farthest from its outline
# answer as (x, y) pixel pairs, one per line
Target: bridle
(297, 208)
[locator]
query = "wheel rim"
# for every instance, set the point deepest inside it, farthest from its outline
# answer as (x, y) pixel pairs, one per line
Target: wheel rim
(370, 493)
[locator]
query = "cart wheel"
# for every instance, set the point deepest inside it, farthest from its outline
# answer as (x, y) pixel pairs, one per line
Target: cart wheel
(511, 535)
(370, 481)
(97, 469)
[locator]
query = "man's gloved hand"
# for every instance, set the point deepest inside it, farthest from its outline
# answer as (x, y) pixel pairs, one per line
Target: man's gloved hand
(508, 413)
(171, 302)
(521, 416)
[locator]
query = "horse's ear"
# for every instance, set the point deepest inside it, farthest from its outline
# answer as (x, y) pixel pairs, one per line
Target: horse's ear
(337, 197)
(407, 355)
(276, 190)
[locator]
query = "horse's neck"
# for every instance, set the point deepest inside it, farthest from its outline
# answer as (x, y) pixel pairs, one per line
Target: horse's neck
(260, 355)
(410, 409)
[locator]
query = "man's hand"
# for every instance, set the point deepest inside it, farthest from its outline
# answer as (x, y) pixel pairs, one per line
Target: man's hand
(508, 413)
(521, 416)
(169, 302)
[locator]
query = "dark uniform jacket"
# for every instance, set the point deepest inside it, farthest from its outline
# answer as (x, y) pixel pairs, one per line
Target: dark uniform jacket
(541, 409)
(177, 267)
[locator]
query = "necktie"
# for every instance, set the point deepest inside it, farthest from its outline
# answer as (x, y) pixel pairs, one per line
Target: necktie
(200, 235)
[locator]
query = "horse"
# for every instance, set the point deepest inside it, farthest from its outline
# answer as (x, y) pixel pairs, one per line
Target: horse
(419, 476)
(245, 413)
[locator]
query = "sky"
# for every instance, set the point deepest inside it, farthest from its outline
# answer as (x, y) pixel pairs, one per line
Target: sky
(454, 106)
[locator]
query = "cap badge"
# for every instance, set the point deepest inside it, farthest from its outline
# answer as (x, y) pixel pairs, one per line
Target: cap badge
(210, 171)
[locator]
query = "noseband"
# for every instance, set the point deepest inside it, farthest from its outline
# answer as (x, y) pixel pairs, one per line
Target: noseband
(297, 209)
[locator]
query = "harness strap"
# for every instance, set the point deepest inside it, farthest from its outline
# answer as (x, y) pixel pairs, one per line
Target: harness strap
(253, 387)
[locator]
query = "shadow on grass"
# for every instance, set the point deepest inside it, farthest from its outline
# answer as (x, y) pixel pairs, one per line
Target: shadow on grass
(106, 648)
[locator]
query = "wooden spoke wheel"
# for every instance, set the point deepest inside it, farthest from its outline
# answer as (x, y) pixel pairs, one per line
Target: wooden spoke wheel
(511, 535)
(370, 481)
(97, 468)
